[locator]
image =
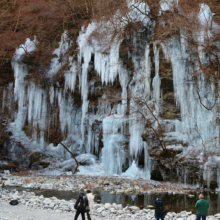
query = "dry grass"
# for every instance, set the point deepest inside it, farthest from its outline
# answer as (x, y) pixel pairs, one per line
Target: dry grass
(29, 18)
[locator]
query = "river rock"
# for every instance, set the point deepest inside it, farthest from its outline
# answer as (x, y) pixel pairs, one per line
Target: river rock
(191, 217)
(137, 187)
(217, 215)
(112, 210)
(191, 196)
(119, 191)
(7, 173)
(96, 206)
(129, 190)
(107, 205)
(134, 208)
(211, 218)
(100, 210)
(119, 207)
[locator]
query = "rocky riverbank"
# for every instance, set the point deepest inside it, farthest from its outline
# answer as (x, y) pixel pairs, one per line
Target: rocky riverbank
(30, 201)
(116, 185)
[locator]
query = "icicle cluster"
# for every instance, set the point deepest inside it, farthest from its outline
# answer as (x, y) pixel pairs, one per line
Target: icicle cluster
(121, 128)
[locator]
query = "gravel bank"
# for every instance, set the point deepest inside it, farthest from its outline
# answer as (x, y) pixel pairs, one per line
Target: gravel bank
(115, 185)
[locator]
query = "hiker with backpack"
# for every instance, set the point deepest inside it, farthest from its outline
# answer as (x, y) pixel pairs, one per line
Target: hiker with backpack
(90, 197)
(159, 209)
(80, 205)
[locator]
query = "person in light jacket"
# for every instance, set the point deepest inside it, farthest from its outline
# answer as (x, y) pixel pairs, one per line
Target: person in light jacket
(90, 197)
(202, 206)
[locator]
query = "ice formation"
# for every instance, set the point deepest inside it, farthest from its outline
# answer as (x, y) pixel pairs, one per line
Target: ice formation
(82, 128)
(192, 113)
(60, 54)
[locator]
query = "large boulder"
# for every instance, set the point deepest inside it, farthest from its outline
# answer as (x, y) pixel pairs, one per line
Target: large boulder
(68, 165)
(38, 161)
(35, 157)
(184, 166)
(86, 159)
(8, 165)
(13, 156)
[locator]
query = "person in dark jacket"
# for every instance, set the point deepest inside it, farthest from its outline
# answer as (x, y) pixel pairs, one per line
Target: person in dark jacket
(159, 209)
(202, 206)
(80, 205)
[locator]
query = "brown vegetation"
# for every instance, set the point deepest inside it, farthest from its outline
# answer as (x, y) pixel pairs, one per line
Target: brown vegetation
(47, 20)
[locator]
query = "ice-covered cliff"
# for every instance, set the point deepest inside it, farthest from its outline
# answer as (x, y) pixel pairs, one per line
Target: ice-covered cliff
(101, 108)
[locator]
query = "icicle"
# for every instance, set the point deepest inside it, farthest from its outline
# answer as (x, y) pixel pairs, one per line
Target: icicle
(191, 128)
(147, 162)
(24, 49)
(60, 55)
(156, 80)
(207, 172)
(147, 64)
(167, 5)
(20, 71)
(113, 154)
(70, 77)
(3, 100)
(217, 160)
(185, 176)
(136, 144)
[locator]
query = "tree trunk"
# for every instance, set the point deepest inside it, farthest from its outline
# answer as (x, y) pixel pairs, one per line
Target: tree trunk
(77, 163)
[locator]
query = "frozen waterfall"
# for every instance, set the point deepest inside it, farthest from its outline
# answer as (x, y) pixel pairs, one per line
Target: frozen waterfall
(95, 111)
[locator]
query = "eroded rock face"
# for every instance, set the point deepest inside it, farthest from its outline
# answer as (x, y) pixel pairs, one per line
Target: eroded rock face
(188, 168)
(6, 82)
(44, 164)
(174, 165)
(37, 161)
(13, 156)
(156, 172)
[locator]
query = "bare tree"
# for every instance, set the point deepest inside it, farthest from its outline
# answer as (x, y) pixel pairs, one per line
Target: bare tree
(148, 119)
(56, 136)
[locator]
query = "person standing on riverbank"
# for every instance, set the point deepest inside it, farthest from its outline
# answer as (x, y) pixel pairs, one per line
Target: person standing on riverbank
(80, 204)
(202, 206)
(90, 197)
(159, 209)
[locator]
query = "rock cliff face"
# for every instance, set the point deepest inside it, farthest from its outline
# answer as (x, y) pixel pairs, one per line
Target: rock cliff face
(117, 99)
(175, 166)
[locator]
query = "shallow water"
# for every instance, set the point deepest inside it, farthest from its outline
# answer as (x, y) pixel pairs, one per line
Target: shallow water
(173, 203)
